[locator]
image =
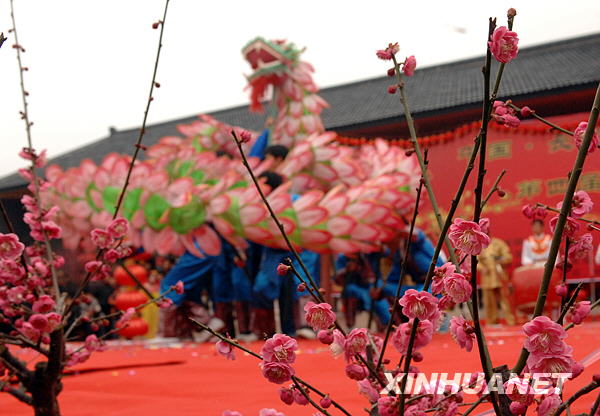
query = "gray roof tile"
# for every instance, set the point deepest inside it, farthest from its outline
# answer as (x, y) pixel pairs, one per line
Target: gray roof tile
(568, 63)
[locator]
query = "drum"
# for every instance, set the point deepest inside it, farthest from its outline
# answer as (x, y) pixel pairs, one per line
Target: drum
(526, 281)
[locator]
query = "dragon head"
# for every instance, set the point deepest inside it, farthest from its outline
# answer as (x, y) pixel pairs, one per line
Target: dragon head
(271, 61)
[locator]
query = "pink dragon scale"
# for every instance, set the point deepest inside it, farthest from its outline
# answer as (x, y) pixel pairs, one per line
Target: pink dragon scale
(183, 195)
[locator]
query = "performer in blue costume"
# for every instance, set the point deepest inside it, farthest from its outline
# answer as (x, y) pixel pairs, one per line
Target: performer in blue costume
(195, 273)
(357, 275)
(269, 286)
(420, 255)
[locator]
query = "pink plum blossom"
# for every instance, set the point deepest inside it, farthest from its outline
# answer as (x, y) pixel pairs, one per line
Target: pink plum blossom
(551, 362)
(280, 348)
(389, 52)
(534, 212)
(409, 66)
(439, 274)
(10, 247)
(578, 136)
(225, 349)
(462, 332)
(571, 226)
(579, 311)
(544, 335)
(504, 44)
(388, 406)
(118, 227)
(421, 305)
(548, 405)
(277, 372)
(581, 247)
(44, 304)
(468, 237)
(366, 389)
(38, 321)
(101, 238)
(356, 342)
(457, 287)
(319, 316)
(505, 115)
(401, 336)
(582, 204)
(92, 343)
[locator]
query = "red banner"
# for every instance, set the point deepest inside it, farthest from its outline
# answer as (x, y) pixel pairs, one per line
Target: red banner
(537, 162)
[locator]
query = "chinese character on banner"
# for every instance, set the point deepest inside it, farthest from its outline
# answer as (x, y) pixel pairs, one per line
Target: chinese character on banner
(529, 189)
(500, 150)
(561, 142)
(590, 181)
(464, 152)
(556, 186)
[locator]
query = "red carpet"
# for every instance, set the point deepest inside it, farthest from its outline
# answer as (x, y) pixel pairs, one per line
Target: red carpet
(193, 380)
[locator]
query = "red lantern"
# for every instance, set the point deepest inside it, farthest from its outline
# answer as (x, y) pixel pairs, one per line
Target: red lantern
(135, 327)
(123, 278)
(130, 299)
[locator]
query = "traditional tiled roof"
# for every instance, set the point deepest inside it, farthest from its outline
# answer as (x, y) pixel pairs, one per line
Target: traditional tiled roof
(568, 64)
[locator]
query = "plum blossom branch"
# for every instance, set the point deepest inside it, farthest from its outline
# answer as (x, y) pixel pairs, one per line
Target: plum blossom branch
(494, 189)
(546, 207)
(138, 145)
(569, 303)
(307, 397)
(562, 218)
(36, 184)
(413, 138)
(592, 307)
(487, 106)
(581, 392)
(16, 393)
(238, 142)
(295, 379)
(153, 84)
(533, 114)
(395, 305)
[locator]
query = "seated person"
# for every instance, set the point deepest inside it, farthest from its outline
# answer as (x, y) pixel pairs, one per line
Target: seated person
(357, 279)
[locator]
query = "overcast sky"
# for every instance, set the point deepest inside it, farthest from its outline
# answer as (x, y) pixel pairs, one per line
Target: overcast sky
(91, 61)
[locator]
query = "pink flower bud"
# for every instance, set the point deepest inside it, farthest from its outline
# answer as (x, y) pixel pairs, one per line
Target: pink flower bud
(299, 398)
(417, 357)
(301, 287)
(245, 136)
(561, 290)
(391, 72)
(517, 408)
(283, 269)
(178, 287)
(526, 112)
(356, 372)
(325, 402)
(286, 395)
(325, 336)
(392, 89)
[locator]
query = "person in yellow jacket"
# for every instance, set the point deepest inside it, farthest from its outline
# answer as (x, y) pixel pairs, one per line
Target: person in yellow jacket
(494, 281)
